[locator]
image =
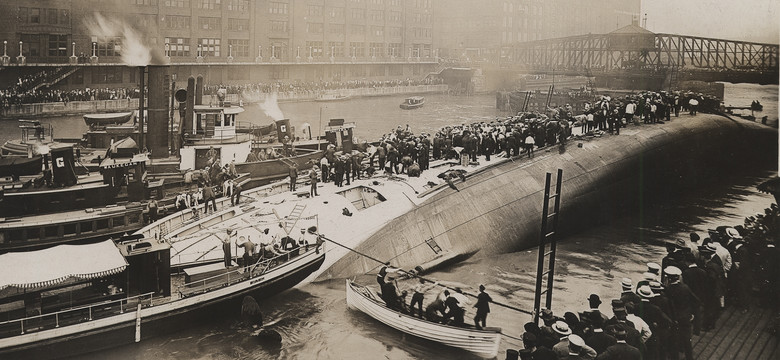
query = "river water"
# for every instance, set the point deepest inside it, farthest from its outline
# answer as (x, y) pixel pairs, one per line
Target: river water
(316, 324)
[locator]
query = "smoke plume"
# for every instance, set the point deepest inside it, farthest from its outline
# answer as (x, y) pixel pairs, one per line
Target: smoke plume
(271, 107)
(134, 51)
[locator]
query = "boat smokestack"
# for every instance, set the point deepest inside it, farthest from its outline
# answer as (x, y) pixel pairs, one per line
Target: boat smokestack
(159, 84)
(190, 104)
(199, 91)
(141, 107)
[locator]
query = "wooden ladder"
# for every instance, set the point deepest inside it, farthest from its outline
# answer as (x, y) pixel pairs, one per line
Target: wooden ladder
(548, 235)
(292, 219)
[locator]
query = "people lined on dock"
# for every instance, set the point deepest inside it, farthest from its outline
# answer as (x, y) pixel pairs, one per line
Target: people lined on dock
(314, 87)
(657, 318)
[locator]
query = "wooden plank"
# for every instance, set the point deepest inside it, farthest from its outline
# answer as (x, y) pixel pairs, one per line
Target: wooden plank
(763, 339)
(723, 333)
(708, 337)
(771, 350)
(736, 337)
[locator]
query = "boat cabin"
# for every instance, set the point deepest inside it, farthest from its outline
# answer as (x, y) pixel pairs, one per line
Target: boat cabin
(213, 127)
(340, 134)
(129, 172)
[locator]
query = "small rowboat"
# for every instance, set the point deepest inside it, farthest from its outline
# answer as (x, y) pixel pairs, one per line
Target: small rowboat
(107, 118)
(483, 343)
(413, 102)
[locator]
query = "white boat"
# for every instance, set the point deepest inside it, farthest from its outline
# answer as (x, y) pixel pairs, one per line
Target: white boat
(332, 97)
(124, 293)
(483, 343)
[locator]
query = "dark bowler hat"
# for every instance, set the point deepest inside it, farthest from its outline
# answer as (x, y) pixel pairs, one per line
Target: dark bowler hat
(594, 298)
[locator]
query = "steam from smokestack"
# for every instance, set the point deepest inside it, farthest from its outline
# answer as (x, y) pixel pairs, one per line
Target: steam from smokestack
(271, 107)
(134, 50)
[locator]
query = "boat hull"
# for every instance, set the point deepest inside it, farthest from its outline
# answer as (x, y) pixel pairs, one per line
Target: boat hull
(46, 200)
(124, 330)
(263, 172)
(483, 343)
(412, 107)
(107, 118)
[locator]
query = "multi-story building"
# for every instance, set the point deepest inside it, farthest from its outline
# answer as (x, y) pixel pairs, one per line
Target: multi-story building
(347, 38)
(476, 29)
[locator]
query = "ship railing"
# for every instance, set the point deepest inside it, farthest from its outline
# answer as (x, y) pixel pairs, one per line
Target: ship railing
(74, 315)
(244, 273)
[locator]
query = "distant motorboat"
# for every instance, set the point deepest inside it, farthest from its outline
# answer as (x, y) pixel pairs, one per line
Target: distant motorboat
(332, 97)
(413, 102)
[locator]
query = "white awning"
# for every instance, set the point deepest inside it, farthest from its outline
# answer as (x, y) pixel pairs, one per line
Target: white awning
(44, 268)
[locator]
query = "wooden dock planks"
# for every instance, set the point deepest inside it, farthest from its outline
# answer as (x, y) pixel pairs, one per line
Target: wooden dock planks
(739, 335)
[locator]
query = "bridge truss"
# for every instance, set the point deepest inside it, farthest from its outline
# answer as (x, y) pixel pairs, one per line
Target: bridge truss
(607, 52)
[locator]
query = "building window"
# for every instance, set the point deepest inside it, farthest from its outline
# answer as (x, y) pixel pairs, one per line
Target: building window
(394, 2)
(35, 16)
(177, 3)
(238, 5)
(108, 46)
(238, 24)
(394, 49)
(143, 2)
(376, 49)
(376, 15)
(106, 75)
(178, 46)
(314, 10)
(336, 29)
(394, 16)
(314, 48)
(240, 47)
(336, 12)
(210, 4)
(280, 72)
(358, 13)
(357, 29)
(395, 31)
(277, 8)
(32, 44)
(377, 30)
(278, 26)
(58, 45)
(209, 47)
(177, 22)
(314, 28)
(336, 48)
(208, 23)
(51, 16)
(358, 49)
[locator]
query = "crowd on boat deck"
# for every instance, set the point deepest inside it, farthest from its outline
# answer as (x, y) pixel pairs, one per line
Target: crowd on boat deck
(401, 151)
(654, 315)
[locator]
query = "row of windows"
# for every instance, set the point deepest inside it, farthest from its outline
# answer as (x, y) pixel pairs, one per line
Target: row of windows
(44, 16)
(357, 49)
(45, 44)
(204, 23)
(68, 230)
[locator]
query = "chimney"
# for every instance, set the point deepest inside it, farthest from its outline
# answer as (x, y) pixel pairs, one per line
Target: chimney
(159, 84)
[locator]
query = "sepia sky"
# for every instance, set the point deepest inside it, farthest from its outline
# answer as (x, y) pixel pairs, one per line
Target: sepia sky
(748, 20)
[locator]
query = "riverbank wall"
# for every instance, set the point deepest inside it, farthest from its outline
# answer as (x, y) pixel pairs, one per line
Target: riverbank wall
(104, 106)
(499, 210)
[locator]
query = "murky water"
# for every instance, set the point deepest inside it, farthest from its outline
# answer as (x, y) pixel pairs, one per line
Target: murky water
(375, 116)
(316, 323)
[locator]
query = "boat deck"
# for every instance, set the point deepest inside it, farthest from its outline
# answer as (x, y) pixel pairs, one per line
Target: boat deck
(739, 335)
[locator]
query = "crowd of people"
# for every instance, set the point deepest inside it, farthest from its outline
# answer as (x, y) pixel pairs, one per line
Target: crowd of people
(656, 317)
(314, 87)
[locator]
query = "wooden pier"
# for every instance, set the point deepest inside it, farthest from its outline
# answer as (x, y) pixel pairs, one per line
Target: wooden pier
(739, 335)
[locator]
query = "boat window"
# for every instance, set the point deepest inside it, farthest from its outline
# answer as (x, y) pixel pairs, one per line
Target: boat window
(119, 221)
(52, 231)
(16, 235)
(133, 218)
(102, 224)
(85, 226)
(69, 229)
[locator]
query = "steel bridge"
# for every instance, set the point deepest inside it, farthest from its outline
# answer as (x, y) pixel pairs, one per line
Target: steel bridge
(633, 49)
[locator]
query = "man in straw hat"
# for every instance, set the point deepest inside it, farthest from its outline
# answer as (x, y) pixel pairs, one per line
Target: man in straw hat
(578, 349)
(659, 322)
(682, 300)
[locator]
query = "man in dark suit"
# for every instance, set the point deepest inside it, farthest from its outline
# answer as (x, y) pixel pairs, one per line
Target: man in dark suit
(658, 321)
(599, 340)
(621, 350)
(682, 300)
(696, 279)
(662, 302)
